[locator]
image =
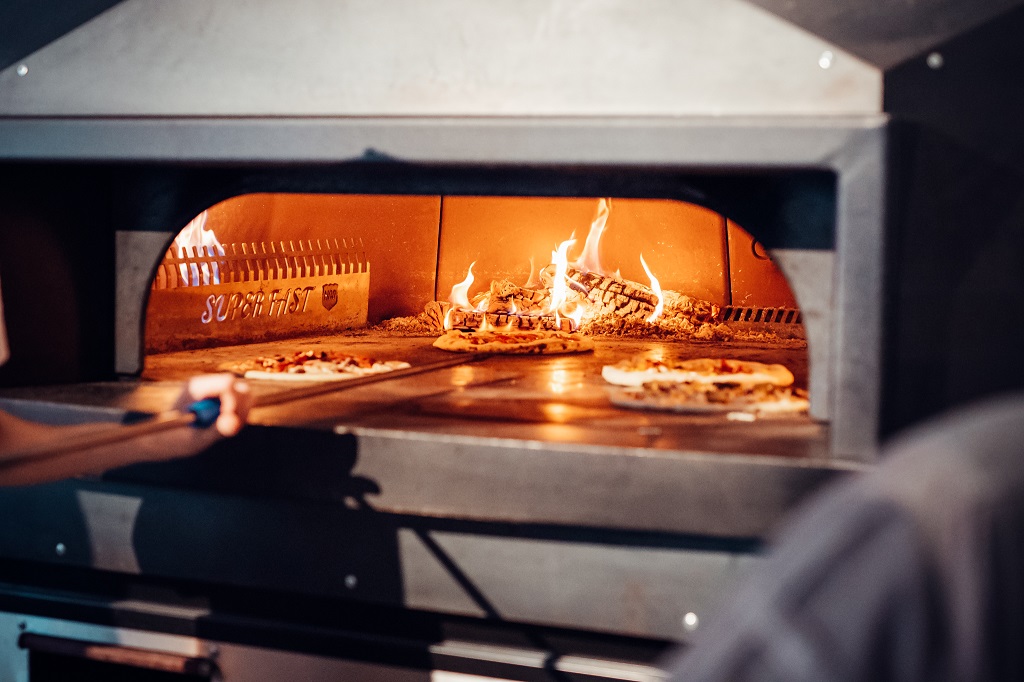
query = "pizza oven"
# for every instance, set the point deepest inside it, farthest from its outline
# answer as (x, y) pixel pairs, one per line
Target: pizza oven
(186, 187)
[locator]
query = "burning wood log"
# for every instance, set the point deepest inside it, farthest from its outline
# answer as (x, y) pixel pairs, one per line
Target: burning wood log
(694, 309)
(474, 320)
(610, 296)
(614, 306)
(504, 296)
(436, 311)
(683, 316)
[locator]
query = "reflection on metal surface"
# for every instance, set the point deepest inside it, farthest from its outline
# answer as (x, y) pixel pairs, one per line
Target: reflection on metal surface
(563, 377)
(110, 522)
(464, 375)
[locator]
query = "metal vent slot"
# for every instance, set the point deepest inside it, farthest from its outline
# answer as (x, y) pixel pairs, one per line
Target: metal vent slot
(257, 262)
(761, 315)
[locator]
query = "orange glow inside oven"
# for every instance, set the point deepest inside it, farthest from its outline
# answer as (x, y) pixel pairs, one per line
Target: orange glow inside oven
(383, 276)
(421, 246)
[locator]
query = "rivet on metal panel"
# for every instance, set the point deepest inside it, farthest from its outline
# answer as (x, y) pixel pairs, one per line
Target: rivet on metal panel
(61, 549)
(935, 61)
(351, 582)
(826, 59)
(690, 621)
(22, 70)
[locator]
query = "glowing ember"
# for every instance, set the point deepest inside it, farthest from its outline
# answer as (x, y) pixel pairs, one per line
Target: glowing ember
(656, 288)
(196, 239)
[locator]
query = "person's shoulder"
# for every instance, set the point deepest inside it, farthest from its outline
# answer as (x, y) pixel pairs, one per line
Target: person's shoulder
(960, 462)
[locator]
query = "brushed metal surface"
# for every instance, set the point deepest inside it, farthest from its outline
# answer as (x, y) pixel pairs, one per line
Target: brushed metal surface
(647, 583)
(137, 254)
(547, 448)
(811, 274)
(851, 148)
(452, 57)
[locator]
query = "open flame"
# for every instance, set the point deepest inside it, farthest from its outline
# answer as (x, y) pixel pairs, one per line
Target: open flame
(534, 281)
(460, 292)
(559, 289)
(656, 288)
(590, 259)
(566, 290)
(196, 239)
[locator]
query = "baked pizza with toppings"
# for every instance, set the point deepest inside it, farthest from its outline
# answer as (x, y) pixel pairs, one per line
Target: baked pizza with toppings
(704, 385)
(313, 365)
(640, 370)
(532, 342)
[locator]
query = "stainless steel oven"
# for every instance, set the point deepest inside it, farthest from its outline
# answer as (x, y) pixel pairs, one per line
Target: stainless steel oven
(424, 526)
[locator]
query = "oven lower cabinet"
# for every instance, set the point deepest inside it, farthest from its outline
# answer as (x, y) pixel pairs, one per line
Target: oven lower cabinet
(44, 648)
(51, 650)
(100, 573)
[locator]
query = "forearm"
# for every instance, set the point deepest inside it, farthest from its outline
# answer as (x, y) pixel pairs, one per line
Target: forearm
(36, 453)
(42, 466)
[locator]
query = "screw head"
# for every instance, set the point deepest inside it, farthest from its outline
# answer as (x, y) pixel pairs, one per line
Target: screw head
(22, 70)
(61, 549)
(935, 61)
(826, 59)
(690, 621)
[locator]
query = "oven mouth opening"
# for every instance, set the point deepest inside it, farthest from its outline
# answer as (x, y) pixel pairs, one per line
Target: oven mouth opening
(656, 281)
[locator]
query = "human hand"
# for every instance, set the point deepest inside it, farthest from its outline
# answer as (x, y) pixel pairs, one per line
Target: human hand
(234, 394)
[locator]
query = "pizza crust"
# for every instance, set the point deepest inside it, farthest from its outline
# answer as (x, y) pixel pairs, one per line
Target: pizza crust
(639, 371)
(690, 398)
(514, 342)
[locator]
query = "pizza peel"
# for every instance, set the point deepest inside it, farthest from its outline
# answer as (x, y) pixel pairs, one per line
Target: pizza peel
(204, 413)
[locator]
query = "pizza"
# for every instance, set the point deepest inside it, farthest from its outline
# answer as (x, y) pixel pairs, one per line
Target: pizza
(640, 370)
(532, 342)
(697, 397)
(313, 365)
(704, 385)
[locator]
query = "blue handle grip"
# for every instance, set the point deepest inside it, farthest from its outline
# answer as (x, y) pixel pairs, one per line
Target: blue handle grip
(206, 412)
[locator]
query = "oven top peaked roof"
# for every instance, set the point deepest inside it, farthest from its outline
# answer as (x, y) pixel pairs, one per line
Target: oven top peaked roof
(310, 58)
(444, 57)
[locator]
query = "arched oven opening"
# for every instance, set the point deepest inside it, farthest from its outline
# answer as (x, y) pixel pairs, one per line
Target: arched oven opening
(660, 281)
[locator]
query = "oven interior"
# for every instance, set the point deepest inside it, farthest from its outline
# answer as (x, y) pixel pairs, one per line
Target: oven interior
(354, 273)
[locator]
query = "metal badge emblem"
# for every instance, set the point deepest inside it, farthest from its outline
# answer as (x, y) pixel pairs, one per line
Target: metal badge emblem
(330, 295)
